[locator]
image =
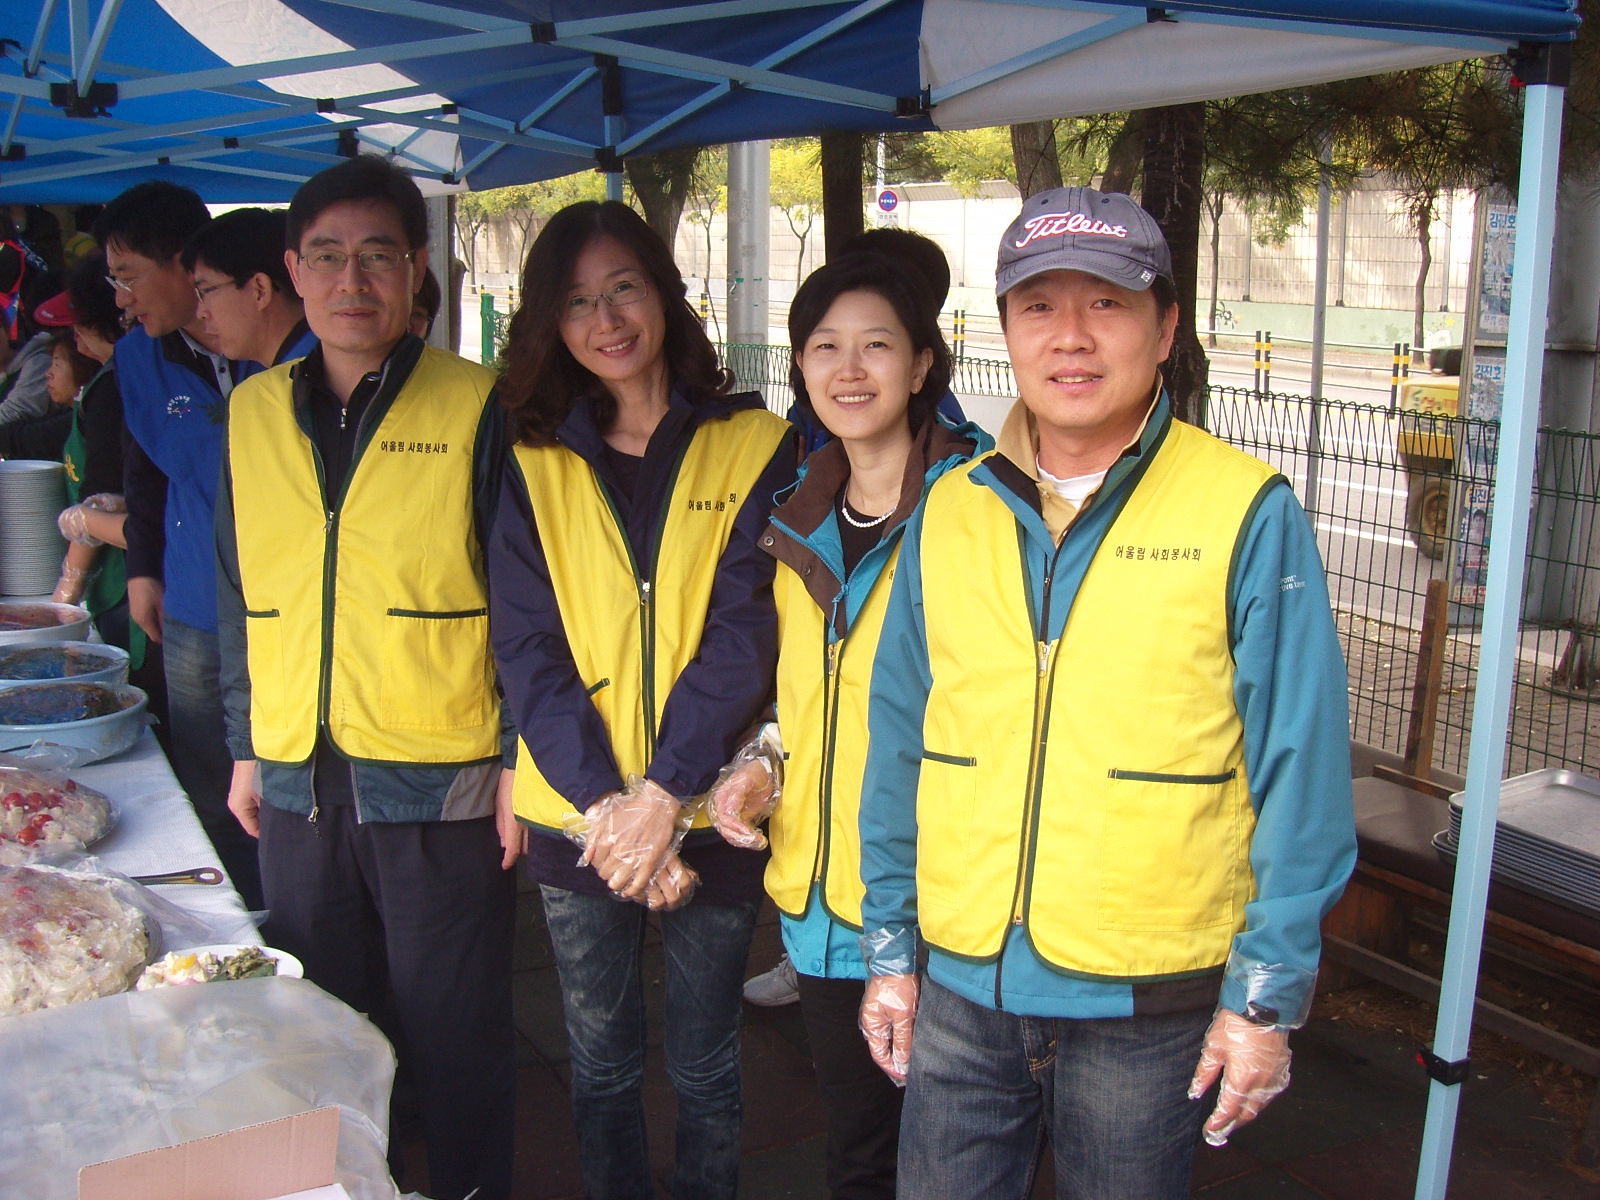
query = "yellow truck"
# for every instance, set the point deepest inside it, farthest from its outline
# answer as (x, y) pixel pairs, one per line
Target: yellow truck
(1425, 441)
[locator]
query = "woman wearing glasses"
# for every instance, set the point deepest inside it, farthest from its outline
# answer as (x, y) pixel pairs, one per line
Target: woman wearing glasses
(632, 620)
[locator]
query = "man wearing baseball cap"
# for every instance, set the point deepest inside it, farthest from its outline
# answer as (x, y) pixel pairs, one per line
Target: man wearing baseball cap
(1108, 786)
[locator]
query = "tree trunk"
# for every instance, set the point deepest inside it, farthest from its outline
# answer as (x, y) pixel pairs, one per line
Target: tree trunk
(1422, 214)
(843, 215)
(1214, 211)
(661, 182)
(1126, 156)
(1174, 161)
(1033, 151)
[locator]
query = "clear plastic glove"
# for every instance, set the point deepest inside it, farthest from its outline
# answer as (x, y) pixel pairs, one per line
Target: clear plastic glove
(747, 791)
(74, 520)
(1253, 1061)
(888, 1014)
(626, 836)
(672, 886)
(70, 585)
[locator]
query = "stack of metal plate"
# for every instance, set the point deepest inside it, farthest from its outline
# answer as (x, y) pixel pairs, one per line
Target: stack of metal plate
(32, 495)
(1547, 840)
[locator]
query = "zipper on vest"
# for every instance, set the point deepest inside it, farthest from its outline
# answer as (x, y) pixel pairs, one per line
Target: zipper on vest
(646, 622)
(830, 734)
(1042, 692)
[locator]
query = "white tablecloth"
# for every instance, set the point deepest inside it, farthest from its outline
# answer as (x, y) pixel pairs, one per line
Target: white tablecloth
(157, 832)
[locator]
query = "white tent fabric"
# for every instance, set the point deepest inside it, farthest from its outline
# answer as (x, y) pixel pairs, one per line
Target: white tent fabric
(1177, 60)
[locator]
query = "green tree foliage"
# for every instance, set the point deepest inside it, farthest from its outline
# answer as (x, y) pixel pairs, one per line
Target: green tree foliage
(796, 182)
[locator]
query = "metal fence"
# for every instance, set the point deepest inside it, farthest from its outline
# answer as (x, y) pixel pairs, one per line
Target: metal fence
(1385, 533)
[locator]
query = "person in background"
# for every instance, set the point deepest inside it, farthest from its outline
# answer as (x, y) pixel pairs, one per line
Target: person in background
(174, 387)
(1108, 785)
(23, 394)
(30, 425)
(69, 372)
(82, 244)
(426, 309)
(632, 617)
(93, 457)
(870, 365)
(358, 487)
(245, 302)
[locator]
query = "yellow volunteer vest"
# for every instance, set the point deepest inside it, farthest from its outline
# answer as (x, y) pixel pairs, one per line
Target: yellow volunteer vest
(633, 627)
(1093, 789)
(374, 621)
(822, 710)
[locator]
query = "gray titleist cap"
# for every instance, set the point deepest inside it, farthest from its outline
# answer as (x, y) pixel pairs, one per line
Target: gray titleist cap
(1104, 234)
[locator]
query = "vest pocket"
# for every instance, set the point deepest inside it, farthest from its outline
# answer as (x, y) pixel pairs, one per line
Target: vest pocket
(947, 798)
(1172, 847)
(264, 656)
(436, 669)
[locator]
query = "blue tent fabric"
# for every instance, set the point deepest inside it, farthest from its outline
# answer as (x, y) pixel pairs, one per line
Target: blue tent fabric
(507, 92)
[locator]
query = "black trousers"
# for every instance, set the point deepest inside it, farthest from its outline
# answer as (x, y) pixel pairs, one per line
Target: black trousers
(862, 1106)
(411, 923)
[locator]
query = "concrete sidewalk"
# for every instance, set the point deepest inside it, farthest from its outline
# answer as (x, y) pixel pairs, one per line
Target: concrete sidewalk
(1347, 1129)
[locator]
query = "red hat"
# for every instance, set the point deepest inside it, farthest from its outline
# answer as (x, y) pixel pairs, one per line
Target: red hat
(56, 311)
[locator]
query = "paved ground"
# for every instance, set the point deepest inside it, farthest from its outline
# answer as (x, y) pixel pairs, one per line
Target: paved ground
(1348, 1129)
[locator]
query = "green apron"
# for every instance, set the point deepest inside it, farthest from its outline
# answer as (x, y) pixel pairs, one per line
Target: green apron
(110, 584)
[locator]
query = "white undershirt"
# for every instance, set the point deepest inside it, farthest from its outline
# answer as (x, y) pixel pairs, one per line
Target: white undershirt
(1075, 490)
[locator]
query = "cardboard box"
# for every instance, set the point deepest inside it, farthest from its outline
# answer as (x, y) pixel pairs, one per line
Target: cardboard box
(289, 1157)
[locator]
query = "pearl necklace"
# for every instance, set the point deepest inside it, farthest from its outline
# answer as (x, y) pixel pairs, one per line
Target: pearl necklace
(844, 511)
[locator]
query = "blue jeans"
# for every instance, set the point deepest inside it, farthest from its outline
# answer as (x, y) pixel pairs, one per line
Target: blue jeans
(199, 749)
(987, 1089)
(598, 943)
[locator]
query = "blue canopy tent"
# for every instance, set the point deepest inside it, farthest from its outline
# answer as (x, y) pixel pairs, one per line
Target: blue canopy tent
(242, 99)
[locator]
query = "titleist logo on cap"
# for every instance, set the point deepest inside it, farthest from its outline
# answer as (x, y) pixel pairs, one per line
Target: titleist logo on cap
(1059, 224)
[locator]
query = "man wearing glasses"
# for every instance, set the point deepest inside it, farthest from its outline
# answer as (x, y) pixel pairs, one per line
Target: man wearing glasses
(248, 307)
(174, 386)
(357, 487)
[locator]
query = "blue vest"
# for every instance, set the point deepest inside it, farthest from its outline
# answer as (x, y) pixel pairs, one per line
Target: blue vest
(175, 412)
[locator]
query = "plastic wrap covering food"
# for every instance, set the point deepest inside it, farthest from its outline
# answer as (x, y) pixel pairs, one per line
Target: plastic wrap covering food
(57, 703)
(65, 937)
(43, 814)
(52, 661)
(146, 1069)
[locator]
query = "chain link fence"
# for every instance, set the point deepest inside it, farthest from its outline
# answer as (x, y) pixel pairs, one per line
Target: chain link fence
(1397, 500)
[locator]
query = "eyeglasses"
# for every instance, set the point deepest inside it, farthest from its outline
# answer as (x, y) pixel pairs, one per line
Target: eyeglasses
(201, 292)
(367, 260)
(122, 285)
(619, 295)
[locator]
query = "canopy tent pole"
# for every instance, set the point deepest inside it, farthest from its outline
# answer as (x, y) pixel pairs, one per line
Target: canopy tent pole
(1544, 69)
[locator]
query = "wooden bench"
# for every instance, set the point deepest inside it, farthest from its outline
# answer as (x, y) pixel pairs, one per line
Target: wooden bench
(1400, 879)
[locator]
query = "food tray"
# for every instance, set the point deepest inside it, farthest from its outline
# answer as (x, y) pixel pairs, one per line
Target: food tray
(1448, 848)
(1555, 806)
(115, 672)
(72, 623)
(102, 737)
